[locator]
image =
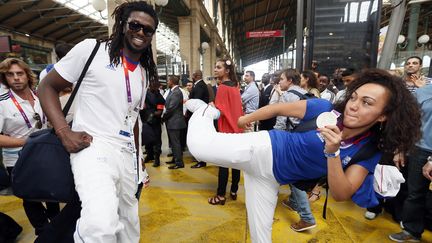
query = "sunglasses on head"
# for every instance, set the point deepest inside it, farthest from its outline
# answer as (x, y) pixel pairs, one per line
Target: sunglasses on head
(38, 119)
(137, 27)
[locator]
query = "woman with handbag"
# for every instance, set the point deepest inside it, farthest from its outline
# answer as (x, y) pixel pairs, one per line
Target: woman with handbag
(21, 115)
(370, 112)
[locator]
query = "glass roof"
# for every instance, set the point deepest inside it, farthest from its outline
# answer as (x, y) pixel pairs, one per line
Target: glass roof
(167, 41)
(85, 7)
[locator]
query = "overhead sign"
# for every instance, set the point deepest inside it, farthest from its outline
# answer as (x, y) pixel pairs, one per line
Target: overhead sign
(264, 34)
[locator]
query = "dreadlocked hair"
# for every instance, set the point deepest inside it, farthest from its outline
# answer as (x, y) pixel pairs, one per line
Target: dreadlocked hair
(115, 41)
(401, 130)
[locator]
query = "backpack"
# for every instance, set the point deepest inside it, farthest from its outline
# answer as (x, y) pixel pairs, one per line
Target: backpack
(304, 96)
(364, 153)
(289, 125)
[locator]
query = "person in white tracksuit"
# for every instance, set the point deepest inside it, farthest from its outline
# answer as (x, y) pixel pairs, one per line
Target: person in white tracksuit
(104, 141)
(370, 113)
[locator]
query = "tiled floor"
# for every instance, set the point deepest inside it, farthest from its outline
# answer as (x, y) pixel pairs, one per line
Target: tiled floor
(175, 209)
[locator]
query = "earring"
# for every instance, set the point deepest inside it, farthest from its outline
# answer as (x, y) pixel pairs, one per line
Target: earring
(381, 126)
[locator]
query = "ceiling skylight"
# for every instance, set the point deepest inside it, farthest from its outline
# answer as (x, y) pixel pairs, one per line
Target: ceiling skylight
(85, 7)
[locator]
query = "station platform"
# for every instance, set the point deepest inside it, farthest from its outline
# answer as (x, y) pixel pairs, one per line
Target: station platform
(174, 209)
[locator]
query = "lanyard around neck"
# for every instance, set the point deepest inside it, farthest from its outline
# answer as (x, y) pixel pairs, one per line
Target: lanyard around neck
(126, 74)
(127, 80)
(18, 106)
(356, 139)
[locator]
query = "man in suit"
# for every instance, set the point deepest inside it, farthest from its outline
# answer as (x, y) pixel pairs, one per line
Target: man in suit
(175, 120)
(199, 91)
(264, 100)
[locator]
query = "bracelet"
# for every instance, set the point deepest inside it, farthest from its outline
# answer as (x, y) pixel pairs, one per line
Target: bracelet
(61, 128)
(332, 155)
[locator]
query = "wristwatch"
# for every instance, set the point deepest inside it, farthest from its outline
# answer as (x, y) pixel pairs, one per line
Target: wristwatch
(332, 155)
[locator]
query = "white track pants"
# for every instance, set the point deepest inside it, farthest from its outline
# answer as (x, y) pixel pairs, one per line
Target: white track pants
(105, 177)
(249, 152)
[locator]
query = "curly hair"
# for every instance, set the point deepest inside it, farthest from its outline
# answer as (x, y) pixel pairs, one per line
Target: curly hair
(116, 40)
(229, 64)
(7, 64)
(401, 130)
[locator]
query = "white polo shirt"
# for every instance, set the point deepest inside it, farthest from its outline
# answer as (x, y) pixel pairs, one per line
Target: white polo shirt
(13, 124)
(101, 103)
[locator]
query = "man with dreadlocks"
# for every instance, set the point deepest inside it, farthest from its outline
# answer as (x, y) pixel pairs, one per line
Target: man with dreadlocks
(103, 140)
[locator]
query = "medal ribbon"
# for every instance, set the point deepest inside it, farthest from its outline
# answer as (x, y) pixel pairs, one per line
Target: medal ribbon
(126, 73)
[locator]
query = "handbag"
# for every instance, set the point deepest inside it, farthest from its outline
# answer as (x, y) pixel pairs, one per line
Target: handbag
(43, 170)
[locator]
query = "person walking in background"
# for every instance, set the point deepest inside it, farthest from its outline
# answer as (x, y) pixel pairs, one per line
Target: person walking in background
(323, 84)
(151, 119)
(189, 87)
(289, 84)
(104, 138)
(228, 101)
(416, 205)
(309, 83)
(412, 74)
(199, 91)
(175, 121)
(20, 115)
(347, 76)
(298, 199)
(265, 100)
(250, 96)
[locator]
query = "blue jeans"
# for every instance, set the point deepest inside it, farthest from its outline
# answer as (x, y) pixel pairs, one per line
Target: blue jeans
(300, 203)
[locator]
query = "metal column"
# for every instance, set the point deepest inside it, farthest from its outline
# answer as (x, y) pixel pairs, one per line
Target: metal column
(299, 35)
(413, 26)
(395, 26)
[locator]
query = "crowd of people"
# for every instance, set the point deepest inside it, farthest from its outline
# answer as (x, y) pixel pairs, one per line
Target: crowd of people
(256, 126)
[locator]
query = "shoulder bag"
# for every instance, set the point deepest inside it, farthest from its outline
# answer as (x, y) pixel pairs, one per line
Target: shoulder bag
(43, 171)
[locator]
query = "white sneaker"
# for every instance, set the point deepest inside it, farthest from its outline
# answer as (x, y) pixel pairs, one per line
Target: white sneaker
(370, 215)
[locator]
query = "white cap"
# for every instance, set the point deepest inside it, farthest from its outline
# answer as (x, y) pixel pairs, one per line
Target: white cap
(387, 180)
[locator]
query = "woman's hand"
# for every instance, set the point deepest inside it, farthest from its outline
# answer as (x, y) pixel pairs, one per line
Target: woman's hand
(332, 137)
(399, 160)
(242, 122)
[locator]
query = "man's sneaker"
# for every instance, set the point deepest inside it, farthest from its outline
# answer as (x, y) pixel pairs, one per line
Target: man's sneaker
(403, 236)
(302, 226)
(370, 215)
